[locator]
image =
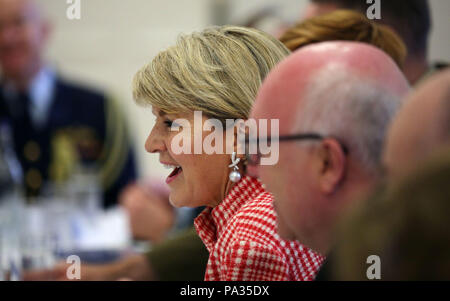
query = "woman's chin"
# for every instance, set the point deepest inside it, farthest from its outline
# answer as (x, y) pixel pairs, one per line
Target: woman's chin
(173, 201)
(176, 201)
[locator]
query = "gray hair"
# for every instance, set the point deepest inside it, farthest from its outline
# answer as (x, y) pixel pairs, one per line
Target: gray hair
(355, 110)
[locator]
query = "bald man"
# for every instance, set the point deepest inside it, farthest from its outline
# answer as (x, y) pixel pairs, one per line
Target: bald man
(421, 127)
(335, 101)
(24, 34)
(58, 128)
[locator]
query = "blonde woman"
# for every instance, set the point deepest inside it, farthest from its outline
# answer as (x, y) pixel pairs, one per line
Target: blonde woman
(218, 72)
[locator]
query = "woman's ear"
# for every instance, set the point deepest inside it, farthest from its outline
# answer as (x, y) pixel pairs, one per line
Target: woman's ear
(333, 164)
(236, 138)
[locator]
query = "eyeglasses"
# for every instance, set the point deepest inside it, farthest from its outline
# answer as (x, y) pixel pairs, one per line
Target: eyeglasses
(255, 158)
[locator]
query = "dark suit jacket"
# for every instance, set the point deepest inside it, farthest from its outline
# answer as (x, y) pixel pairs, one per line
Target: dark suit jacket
(83, 128)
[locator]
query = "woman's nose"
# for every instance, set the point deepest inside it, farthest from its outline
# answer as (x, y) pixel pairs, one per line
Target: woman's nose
(154, 142)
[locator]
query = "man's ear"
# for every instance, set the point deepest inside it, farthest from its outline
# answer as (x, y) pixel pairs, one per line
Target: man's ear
(333, 165)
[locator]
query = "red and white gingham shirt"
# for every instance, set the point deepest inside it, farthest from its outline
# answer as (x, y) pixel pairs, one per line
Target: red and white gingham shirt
(240, 235)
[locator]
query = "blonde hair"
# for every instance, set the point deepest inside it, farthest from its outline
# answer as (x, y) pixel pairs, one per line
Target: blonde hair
(217, 71)
(345, 25)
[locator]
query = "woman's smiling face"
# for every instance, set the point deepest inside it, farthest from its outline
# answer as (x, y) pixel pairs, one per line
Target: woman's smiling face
(195, 179)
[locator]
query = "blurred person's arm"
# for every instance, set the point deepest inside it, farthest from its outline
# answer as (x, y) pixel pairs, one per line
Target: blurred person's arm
(134, 267)
(182, 257)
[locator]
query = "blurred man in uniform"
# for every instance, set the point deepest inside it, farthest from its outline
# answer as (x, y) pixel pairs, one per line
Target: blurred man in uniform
(57, 128)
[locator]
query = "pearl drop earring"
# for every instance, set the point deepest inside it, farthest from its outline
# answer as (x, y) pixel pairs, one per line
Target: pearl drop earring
(235, 176)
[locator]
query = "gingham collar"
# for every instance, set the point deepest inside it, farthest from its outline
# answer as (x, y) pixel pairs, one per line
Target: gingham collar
(212, 221)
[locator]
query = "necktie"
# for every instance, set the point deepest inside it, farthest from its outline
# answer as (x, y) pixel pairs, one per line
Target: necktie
(23, 104)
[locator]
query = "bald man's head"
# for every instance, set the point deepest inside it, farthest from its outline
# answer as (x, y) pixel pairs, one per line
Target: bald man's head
(421, 127)
(23, 34)
(347, 92)
(356, 70)
(288, 81)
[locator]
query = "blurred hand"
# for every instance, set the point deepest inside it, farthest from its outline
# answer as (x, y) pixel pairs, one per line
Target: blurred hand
(151, 215)
(59, 272)
(134, 267)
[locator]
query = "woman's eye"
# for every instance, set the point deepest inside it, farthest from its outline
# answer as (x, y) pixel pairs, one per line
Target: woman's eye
(168, 123)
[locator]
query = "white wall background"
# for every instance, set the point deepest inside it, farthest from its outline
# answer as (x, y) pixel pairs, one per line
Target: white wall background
(440, 37)
(293, 9)
(114, 38)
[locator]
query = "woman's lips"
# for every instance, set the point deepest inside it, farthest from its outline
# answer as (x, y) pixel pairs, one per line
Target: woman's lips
(174, 174)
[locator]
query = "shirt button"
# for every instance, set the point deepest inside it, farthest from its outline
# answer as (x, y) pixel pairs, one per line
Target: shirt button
(33, 179)
(32, 151)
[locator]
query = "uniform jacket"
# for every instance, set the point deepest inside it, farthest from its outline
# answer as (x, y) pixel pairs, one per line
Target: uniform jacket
(82, 128)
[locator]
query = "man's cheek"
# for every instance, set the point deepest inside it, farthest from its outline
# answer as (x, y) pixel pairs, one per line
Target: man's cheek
(253, 171)
(282, 225)
(262, 173)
